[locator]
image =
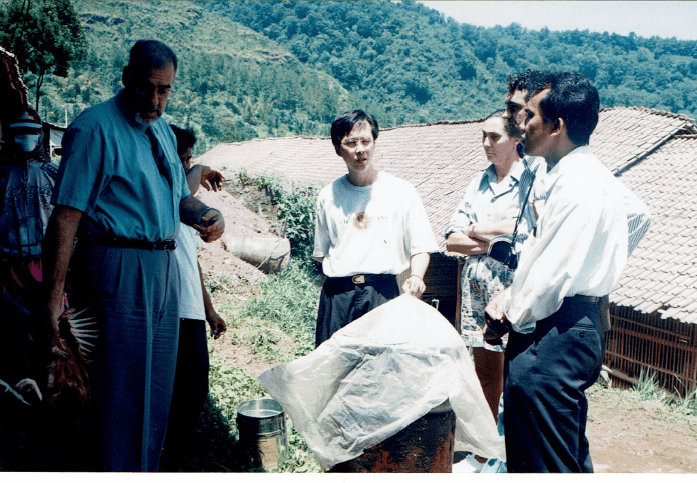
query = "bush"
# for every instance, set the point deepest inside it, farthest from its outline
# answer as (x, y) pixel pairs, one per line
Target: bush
(295, 210)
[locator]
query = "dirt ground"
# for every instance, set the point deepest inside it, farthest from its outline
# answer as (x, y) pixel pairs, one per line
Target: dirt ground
(626, 434)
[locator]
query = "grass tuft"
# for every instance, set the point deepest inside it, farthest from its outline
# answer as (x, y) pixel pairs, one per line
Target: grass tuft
(648, 388)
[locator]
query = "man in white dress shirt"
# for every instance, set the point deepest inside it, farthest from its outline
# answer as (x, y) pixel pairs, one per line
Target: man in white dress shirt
(556, 345)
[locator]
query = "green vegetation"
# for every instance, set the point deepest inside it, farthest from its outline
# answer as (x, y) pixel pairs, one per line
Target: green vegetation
(687, 404)
(45, 35)
(648, 388)
(289, 302)
(232, 84)
(408, 63)
(295, 210)
(276, 68)
(286, 301)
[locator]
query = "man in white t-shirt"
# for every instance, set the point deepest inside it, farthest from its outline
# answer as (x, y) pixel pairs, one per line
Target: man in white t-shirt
(371, 227)
(195, 309)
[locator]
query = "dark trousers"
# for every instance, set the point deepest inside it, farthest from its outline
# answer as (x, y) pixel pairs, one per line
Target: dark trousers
(546, 374)
(341, 301)
(190, 388)
(134, 295)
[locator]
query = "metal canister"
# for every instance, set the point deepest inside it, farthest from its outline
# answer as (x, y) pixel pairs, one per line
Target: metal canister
(262, 428)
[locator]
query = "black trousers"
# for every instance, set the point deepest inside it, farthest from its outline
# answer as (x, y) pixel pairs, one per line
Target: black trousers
(341, 301)
(190, 388)
(546, 374)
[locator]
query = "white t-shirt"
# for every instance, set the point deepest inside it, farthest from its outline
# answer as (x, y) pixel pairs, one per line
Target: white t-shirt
(191, 298)
(370, 229)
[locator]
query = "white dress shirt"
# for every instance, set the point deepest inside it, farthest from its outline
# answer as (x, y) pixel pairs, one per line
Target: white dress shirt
(588, 224)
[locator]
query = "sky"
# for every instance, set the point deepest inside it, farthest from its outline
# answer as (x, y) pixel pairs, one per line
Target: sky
(644, 18)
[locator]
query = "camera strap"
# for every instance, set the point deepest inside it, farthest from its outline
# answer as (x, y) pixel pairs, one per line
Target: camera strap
(525, 202)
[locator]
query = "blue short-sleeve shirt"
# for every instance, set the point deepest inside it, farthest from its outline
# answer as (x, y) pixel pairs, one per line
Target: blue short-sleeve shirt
(108, 172)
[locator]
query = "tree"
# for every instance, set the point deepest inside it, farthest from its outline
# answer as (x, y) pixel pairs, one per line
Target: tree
(45, 35)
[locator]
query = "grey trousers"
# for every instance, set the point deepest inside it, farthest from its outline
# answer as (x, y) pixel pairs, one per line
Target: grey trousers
(134, 294)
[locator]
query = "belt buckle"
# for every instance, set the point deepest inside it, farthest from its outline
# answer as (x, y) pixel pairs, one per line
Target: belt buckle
(358, 279)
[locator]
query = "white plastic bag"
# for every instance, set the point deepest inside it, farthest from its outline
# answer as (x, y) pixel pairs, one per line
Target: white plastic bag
(379, 374)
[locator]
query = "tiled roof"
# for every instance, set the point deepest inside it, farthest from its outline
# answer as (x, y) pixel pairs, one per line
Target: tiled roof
(440, 160)
(661, 274)
(625, 134)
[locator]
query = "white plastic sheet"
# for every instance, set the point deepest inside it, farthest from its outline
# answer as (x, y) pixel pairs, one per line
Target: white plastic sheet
(379, 374)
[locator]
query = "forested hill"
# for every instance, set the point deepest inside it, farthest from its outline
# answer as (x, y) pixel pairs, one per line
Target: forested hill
(413, 65)
(274, 68)
(232, 83)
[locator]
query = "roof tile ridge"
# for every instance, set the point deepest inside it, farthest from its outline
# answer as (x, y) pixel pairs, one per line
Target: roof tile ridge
(434, 123)
(651, 110)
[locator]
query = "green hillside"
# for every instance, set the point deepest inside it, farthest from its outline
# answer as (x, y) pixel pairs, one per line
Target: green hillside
(274, 68)
(233, 84)
(414, 65)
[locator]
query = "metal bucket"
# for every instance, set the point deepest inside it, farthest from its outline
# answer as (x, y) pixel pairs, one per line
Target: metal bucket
(262, 427)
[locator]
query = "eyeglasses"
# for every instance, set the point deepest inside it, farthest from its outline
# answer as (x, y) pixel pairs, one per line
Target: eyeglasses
(147, 91)
(353, 143)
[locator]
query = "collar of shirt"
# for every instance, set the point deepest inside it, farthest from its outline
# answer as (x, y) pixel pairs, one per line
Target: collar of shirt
(498, 189)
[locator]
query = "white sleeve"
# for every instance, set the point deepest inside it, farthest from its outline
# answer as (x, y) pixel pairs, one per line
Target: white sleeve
(638, 218)
(550, 264)
(421, 235)
(322, 242)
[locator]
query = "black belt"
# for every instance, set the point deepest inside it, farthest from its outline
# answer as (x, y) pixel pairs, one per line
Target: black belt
(129, 242)
(591, 299)
(343, 284)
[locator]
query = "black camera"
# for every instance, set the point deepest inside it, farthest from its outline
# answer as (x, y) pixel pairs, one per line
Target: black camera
(502, 249)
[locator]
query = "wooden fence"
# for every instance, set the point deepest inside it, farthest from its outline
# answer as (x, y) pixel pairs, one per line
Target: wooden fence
(641, 342)
(637, 343)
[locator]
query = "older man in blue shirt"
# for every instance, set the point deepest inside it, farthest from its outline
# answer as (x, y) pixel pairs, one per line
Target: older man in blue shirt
(121, 189)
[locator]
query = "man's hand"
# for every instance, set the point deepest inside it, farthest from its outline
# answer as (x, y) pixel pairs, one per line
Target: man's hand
(211, 179)
(212, 225)
(414, 285)
(217, 324)
(496, 323)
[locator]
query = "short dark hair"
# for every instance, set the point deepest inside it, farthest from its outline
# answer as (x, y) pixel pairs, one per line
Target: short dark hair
(517, 82)
(573, 98)
(529, 81)
(538, 80)
(151, 53)
(186, 138)
(345, 123)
